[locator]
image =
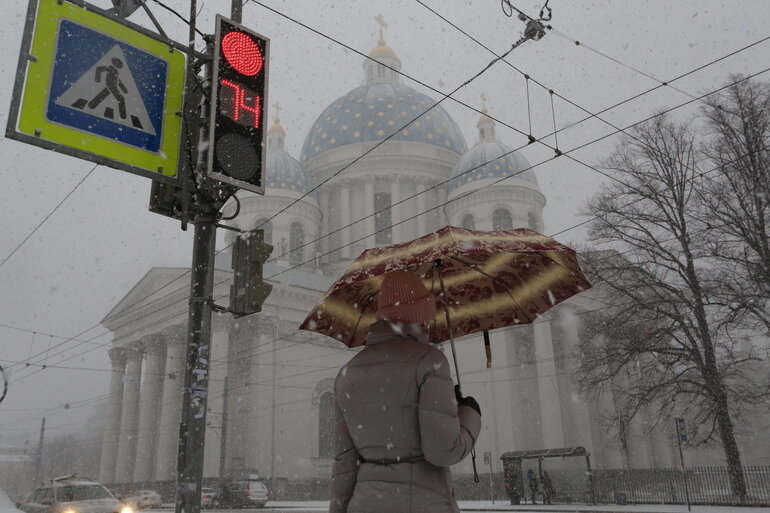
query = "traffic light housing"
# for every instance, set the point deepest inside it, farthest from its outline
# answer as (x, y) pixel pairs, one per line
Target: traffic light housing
(237, 150)
(248, 291)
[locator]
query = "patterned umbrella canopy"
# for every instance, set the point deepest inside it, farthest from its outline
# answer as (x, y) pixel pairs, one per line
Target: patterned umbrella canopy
(492, 279)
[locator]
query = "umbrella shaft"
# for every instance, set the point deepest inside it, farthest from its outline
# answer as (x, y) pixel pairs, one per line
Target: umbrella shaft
(448, 322)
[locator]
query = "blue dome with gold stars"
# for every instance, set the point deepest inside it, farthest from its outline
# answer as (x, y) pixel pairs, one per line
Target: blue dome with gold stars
(491, 159)
(374, 111)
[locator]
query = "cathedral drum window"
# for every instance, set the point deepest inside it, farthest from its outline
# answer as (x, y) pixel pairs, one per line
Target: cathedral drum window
(501, 219)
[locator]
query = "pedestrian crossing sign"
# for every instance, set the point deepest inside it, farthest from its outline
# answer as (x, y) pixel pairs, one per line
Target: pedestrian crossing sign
(100, 88)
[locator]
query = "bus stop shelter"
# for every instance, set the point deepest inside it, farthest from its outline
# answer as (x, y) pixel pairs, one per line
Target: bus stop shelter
(514, 479)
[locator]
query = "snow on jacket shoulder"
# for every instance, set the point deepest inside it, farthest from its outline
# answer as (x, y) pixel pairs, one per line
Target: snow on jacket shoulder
(398, 427)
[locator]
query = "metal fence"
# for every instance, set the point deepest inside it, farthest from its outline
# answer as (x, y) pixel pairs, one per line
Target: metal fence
(705, 485)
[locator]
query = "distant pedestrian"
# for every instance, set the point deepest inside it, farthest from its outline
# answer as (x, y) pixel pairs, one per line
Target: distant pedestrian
(548, 489)
(510, 488)
(399, 423)
(533, 485)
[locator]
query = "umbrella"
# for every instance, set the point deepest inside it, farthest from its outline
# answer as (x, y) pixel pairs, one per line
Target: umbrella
(482, 280)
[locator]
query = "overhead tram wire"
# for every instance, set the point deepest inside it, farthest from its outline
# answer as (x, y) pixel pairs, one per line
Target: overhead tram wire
(494, 183)
(563, 128)
(454, 99)
(574, 104)
(41, 223)
(406, 125)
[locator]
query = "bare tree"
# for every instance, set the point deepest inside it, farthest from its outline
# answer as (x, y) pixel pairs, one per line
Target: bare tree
(736, 199)
(664, 338)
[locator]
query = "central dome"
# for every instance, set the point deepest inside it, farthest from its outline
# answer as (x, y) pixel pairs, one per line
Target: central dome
(373, 111)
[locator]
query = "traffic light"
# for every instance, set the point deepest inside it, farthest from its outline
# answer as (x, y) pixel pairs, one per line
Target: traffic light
(249, 291)
(238, 106)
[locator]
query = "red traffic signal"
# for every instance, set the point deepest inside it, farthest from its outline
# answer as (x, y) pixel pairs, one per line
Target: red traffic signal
(238, 95)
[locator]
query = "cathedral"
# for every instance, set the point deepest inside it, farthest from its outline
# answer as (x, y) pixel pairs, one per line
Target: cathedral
(270, 403)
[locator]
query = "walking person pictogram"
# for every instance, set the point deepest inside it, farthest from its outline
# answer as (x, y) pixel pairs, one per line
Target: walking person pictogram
(113, 86)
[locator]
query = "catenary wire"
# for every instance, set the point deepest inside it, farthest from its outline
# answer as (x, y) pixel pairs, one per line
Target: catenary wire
(30, 234)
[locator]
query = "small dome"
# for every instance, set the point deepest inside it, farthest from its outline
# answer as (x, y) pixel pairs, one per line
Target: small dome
(382, 49)
(487, 162)
(283, 172)
(479, 155)
(373, 111)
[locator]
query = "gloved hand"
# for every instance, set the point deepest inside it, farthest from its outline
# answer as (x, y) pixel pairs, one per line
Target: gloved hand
(466, 401)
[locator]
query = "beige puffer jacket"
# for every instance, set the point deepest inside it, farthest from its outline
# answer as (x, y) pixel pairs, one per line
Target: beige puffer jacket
(398, 427)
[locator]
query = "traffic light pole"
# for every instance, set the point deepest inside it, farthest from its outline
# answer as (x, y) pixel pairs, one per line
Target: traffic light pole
(192, 428)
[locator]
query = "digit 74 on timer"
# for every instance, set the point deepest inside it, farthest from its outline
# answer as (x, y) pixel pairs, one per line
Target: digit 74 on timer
(238, 106)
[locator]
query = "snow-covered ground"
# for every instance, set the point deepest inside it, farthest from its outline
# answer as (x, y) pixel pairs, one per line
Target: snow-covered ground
(488, 507)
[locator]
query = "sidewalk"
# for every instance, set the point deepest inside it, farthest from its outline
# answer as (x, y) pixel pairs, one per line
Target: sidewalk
(484, 506)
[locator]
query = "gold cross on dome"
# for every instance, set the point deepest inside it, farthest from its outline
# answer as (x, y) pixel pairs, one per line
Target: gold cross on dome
(483, 103)
(383, 25)
(277, 118)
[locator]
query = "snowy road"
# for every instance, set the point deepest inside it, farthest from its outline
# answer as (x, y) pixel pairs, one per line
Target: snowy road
(488, 507)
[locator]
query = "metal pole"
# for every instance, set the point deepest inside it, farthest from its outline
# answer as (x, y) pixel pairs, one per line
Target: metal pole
(223, 437)
(192, 430)
(236, 9)
(684, 472)
(39, 466)
(491, 485)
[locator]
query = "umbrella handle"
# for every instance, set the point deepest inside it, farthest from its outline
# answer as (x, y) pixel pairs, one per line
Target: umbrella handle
(437, 265)
(487, 349)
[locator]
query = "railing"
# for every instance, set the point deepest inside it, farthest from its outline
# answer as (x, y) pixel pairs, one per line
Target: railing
(705, 486)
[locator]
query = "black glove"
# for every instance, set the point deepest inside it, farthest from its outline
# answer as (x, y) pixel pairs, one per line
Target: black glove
(466, 401)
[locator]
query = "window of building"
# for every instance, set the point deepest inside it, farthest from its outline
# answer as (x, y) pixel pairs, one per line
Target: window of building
(502, 220)
(326, 426)
(267, 227)
(531, 222)
(296, 241)
(382, 220)
(468, 222)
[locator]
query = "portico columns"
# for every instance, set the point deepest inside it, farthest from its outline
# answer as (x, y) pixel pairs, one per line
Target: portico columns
(369, 225)
(150, 399)
(112, 425)
(129, 419)
(345, 219)
(419, 187)
(395, 211)
(171, 405)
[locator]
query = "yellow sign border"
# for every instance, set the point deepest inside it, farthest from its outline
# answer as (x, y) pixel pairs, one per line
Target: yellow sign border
(32, 119)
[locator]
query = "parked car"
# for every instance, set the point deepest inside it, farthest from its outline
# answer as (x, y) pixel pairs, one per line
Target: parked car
(243, 493)
(143, 499)
(208, 495)
(73, 494)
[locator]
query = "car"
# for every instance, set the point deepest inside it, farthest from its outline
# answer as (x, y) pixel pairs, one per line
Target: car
(208, 496)
(73, 494)
(257, 493)
(143, 499)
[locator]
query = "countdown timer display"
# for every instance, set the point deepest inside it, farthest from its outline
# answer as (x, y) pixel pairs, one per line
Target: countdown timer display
(239, 89)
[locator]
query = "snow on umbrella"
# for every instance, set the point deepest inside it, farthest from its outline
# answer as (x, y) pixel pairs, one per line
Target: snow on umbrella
(491, 280)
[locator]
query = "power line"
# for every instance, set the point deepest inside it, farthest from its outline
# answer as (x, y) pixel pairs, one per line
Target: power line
(48, 215)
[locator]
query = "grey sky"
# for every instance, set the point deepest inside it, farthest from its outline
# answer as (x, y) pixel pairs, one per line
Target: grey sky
(102, 240)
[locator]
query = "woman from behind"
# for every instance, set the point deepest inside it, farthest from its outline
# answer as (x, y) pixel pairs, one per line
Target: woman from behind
(400, 424)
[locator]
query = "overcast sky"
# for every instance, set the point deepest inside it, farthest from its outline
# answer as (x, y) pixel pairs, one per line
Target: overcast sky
(90, 252)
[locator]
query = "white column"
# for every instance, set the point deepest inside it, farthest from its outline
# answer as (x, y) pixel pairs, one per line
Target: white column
(345, 219)
(112, 424)
(150, 399)
(550, 405)
(129, 418)
(369, 225)
(238, 405)
(578, 407)
(421, 207)
(395, 212)
(215, 403)
(171, 405)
